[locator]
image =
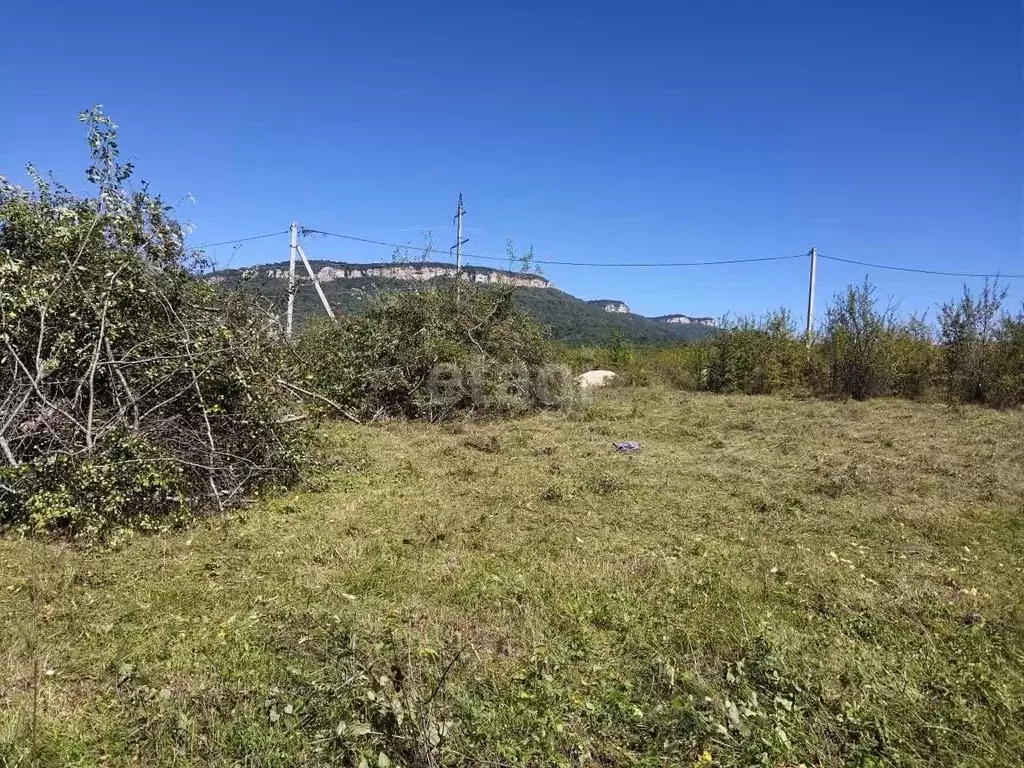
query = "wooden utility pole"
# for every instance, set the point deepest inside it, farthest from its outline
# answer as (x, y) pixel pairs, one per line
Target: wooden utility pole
(810, 296)
(291, 275)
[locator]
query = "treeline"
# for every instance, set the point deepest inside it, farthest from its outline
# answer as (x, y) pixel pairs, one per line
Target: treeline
(974, 353)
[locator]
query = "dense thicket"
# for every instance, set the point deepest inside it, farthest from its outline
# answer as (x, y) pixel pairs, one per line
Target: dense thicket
(132, 393)
(445, 348)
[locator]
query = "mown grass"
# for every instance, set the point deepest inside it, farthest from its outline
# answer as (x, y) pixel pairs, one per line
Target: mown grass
(768, 582)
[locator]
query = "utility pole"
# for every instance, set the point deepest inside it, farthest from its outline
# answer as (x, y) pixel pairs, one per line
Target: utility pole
(459, 242)
(810, 296)
(291, 275)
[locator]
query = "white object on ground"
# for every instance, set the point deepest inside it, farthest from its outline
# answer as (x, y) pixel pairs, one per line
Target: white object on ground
(595, 379)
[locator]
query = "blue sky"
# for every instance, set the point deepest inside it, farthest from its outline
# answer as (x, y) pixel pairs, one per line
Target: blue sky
(596, 131)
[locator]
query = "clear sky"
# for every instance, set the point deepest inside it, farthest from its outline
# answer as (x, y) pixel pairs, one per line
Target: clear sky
(877, 130)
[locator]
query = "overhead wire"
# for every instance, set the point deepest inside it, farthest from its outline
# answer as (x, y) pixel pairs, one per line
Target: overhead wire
(557, 262)
(915, 270)
(569, 263)
(242, 239)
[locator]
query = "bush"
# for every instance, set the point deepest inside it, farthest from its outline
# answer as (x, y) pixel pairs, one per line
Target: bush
(1008, 387)
(913, 359)
(677, 366)
(132, 393)
(979, 347)
(752, 357)
(446, 348)
(857, 343)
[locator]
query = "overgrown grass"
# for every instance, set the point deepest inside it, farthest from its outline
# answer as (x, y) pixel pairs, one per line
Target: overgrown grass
(768, 582)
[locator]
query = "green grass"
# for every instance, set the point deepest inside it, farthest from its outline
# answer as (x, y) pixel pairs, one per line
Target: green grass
(769, 582)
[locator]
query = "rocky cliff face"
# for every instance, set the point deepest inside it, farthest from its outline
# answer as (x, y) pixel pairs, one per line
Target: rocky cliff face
(685, 319)
(415, 272)
(610, 305)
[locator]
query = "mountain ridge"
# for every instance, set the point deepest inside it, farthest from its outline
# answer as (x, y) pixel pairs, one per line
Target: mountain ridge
(328, 271)
(349, 285)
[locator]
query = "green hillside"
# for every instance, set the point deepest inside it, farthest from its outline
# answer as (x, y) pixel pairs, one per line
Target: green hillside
(578, 322)
(571, 320)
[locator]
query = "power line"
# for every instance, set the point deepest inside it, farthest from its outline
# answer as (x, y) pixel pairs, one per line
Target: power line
(714, 262)
(912, 269)
(243, 239)
(570, 263)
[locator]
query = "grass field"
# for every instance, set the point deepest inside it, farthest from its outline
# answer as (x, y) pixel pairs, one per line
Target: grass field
(768, 582)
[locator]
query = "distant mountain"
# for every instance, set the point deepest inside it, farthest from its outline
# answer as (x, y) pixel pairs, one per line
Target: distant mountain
(349, 286)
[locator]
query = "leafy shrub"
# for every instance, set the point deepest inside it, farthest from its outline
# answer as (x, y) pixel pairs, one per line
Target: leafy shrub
(625, 360)
(856, 343)
(753, 357)
(981, 348)
(132, 393)
(1008, 387)
(678, 366)
(445, 348)
(913, 355)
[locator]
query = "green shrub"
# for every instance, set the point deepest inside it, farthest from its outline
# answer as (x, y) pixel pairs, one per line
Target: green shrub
(857, 343)
(678, 366)
(631, 365)
(913, 359)
(1008, 387)
(132, 393)
(864, 351)
(431, 353)
(753, 357)
(981, 348)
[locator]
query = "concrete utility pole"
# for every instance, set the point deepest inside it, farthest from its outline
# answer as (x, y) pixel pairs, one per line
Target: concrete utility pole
(810, 296)
(291, 275)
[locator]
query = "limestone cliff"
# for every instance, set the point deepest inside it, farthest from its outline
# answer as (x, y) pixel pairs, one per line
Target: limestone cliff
(610, 305)
(328, 272)
(685, 320)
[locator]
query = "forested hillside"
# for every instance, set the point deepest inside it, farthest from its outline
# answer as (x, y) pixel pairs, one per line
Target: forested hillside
(571, 320)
